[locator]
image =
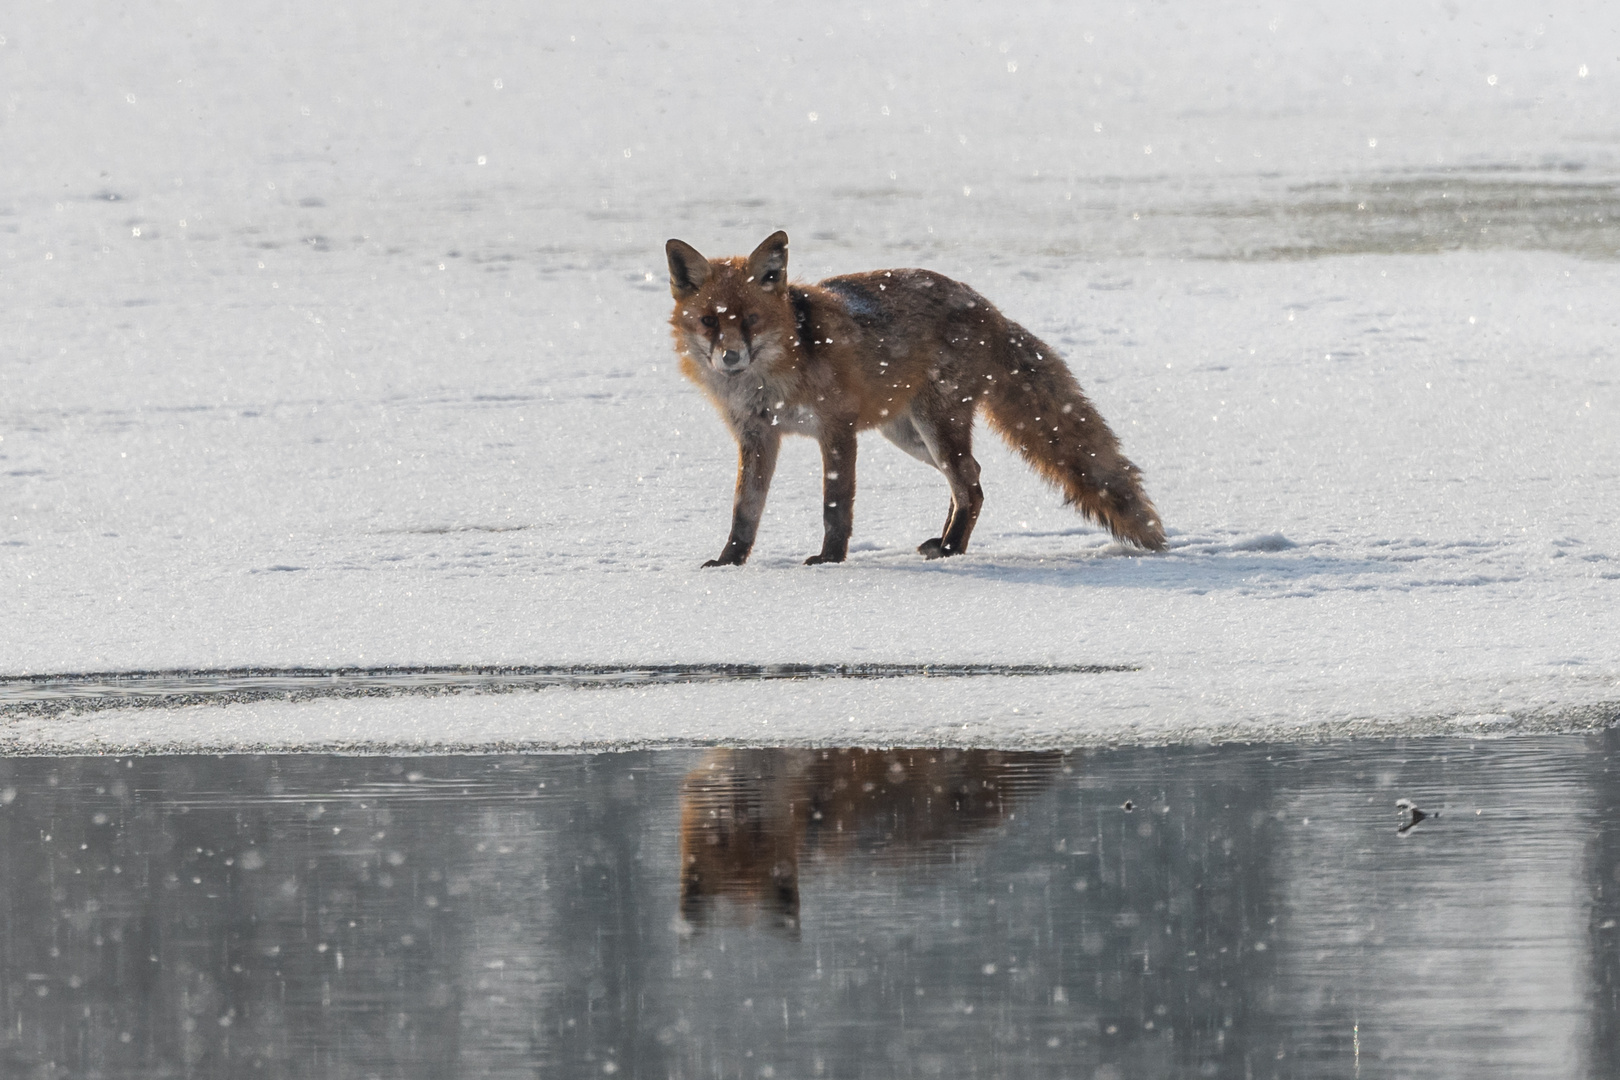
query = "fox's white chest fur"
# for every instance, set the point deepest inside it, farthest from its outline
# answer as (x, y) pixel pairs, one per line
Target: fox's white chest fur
(755, 398)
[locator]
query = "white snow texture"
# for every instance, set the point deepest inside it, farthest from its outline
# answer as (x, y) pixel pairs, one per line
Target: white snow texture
(336, 334)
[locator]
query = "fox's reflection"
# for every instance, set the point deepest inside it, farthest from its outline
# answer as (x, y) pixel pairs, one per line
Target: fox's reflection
(749, 816)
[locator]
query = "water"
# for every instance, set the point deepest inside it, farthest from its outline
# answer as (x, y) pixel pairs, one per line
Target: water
(54, 694)
(758, 913)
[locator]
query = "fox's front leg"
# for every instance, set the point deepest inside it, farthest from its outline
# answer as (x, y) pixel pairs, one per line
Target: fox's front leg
(837, 493)
(756, 461)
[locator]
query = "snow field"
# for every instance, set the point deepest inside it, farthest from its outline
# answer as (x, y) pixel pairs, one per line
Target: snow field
(323, 389)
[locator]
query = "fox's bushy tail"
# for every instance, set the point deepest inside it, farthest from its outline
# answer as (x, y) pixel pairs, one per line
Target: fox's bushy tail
(1035, 403)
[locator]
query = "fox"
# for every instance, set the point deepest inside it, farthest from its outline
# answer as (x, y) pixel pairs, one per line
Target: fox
(748, 817)
(909, 352)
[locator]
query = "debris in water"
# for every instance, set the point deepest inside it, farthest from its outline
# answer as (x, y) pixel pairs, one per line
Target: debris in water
(1411, 815)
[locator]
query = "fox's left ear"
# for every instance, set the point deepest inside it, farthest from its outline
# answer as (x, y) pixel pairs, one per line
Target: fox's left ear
(768, 264)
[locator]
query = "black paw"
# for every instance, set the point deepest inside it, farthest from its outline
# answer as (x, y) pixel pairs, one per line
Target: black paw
(722, 562)
(934, 549)
(817, 560)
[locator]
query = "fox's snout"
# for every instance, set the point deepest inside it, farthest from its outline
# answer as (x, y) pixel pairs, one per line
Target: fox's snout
(730, 361)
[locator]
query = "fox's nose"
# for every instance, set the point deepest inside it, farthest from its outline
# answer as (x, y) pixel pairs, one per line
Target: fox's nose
(732, 358)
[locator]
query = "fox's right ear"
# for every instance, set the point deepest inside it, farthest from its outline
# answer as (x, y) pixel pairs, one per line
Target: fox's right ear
(688, 270)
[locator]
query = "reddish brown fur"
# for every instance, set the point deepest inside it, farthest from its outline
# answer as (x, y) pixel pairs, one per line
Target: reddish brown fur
(909, 352)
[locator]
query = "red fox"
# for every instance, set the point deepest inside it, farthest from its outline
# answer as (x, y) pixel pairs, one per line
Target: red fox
(909, 352)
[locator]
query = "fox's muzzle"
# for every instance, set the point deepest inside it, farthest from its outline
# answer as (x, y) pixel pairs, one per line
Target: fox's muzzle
(729, 360)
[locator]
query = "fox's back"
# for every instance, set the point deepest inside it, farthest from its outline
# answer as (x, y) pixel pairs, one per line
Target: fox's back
(909, 302)
(903, 328)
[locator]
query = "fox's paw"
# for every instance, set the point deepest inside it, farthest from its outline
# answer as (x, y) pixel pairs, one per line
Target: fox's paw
(817, 560)
(935, 549)
(722, 562)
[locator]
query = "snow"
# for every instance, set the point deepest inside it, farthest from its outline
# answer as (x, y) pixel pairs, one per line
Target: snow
(336, 336)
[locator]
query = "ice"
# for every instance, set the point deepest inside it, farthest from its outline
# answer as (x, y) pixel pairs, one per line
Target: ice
(289, 378)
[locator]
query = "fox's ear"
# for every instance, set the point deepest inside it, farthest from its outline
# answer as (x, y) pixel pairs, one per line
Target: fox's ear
(688, 270)
(768, 264)
(785, 885)
(693, 907)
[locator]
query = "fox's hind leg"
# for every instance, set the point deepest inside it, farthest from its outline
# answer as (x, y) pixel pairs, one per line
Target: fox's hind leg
(948, 437)
(903, 433)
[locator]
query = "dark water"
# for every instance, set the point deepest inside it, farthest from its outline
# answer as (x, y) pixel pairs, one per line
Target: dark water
(49, 694)
(807, 913)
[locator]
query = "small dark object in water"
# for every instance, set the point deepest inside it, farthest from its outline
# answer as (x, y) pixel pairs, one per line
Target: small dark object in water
(1411, 815)
(1129, 806)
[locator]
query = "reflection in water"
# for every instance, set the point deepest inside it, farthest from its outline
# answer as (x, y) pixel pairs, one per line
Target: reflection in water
(749, 816)
(804, 913)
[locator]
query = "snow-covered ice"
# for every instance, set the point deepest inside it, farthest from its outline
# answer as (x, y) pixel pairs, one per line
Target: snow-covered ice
(335, 336)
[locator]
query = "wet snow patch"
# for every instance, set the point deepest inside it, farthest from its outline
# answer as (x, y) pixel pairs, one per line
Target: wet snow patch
(1264, 542)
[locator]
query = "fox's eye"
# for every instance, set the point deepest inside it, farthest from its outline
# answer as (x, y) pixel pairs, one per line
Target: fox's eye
(753, 318)
(710, 321)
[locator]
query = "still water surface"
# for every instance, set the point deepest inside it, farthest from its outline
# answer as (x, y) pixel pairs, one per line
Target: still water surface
(791, 913)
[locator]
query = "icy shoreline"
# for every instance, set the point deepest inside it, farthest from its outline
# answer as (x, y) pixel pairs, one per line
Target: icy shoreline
(129, 737)
(981, 714)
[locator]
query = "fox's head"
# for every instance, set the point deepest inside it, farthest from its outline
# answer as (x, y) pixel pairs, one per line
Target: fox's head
(740, 838)
(731, 314)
